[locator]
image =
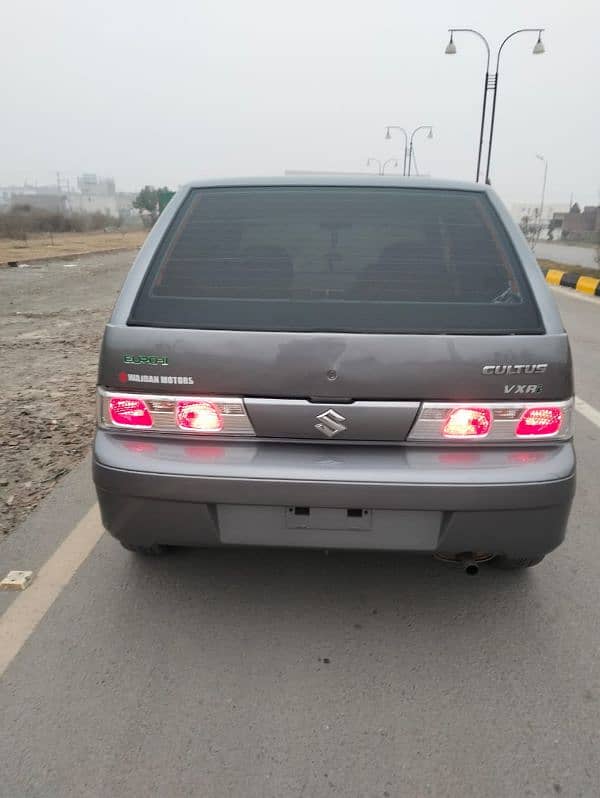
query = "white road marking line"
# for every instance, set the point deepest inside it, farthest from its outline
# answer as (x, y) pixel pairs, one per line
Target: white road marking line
(588, 411)
(22, 617)
(574, 294)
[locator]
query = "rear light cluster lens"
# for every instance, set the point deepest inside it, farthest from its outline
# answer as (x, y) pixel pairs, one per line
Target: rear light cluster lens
(129, 412)
(540, 421)
(496, 422)
(179, 414)
(467, 422)
(200, 416)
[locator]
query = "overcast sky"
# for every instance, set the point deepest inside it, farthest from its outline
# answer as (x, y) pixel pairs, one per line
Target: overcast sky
(163, 92)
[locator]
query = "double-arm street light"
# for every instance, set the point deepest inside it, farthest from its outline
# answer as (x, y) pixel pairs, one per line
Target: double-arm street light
(388, 135)
(381, 166)
(491, 84)
(408, 142)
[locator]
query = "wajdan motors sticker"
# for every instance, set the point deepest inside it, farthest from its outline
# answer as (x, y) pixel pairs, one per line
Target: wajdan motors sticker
(155, 379)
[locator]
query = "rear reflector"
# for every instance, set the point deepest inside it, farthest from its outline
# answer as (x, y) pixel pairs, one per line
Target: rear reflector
(199, 416)
(540, 421)
(467, 422)
(129, 412)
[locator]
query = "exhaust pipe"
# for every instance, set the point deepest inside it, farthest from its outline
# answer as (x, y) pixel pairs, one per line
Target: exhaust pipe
(470, 560)
(471, 567)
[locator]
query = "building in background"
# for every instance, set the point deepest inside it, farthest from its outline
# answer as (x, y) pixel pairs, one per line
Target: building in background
(531, 211)
(91, 185)
(47, 198)
(581, 225)
(555, 224)
(93, 195)
(50, 201)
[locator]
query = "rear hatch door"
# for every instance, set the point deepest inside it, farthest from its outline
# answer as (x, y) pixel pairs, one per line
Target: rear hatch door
(336, 311)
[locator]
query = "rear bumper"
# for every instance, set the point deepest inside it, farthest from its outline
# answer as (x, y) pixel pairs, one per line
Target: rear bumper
(500, 500)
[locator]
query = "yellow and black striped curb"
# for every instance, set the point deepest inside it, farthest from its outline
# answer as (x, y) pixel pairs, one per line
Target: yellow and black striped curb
(587, 285)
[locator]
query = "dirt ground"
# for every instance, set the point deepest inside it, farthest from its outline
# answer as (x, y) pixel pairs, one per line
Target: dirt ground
(68, 244)
(51, 320)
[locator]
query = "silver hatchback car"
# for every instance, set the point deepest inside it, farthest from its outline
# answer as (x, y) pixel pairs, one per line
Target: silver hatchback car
(362, 363)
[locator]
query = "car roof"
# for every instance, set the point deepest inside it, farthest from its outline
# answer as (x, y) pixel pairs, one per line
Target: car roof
(341, 180)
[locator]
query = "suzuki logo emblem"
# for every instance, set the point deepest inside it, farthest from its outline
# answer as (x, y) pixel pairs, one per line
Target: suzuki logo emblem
(330, 423)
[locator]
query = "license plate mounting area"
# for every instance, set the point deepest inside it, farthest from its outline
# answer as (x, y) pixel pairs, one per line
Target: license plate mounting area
(350, 518)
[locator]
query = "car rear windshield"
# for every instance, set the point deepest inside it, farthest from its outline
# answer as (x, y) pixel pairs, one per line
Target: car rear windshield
(368, 260)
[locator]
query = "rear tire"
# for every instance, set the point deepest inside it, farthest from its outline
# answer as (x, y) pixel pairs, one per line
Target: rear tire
(155, 550)
(513, 564)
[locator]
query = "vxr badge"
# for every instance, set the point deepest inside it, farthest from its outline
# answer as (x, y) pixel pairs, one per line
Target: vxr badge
(330, 423)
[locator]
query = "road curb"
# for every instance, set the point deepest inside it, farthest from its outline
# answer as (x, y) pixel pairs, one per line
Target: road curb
(5, 264)
(582, 283)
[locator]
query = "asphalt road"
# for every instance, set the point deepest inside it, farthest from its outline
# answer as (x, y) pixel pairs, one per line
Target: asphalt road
(285, 673)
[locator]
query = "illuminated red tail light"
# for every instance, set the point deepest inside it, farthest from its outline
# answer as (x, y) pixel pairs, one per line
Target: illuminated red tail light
(129, 412)
(200, 416)
(467, 422)
(540, 421)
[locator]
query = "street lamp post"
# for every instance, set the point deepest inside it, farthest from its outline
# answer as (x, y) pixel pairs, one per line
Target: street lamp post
(388, 135)
(491, 84)
(451, 50)
(381, 166)
(545, 162)
(408, 147)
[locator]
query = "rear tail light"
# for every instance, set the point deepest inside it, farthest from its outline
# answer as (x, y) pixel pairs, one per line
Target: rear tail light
(191, 415)
(540, 421)
(129, 411)
(492, 422)
(467, 422)
(198, 415)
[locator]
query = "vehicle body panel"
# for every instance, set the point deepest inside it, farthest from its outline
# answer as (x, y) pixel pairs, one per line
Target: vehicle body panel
(299, 365)
(498, 494)
(502, 499)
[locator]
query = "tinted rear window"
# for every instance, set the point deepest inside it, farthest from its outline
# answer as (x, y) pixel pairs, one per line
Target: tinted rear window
(337, 259)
